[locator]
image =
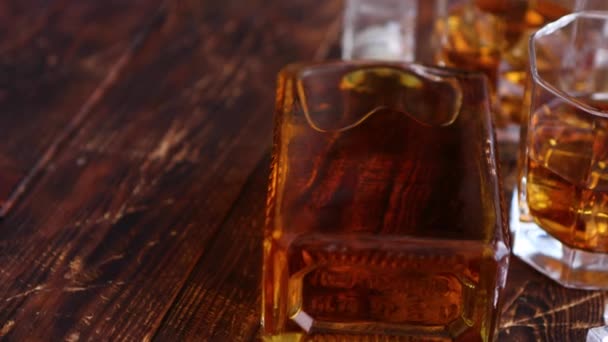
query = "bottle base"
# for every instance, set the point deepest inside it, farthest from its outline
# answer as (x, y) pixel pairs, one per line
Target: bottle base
(570, 267)
(362, 287)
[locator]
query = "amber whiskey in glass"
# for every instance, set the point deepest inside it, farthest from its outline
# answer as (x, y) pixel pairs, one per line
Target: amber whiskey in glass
(384, 213)
(492, 36)
(562, 226)
(520, 18)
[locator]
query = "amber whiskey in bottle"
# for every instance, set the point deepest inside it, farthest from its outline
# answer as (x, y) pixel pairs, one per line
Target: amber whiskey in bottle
(384, 217)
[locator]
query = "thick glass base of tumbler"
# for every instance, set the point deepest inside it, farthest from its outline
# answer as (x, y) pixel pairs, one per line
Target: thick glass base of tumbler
(571, 267)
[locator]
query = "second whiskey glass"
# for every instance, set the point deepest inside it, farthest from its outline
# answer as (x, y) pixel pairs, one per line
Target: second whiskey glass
(562, 227)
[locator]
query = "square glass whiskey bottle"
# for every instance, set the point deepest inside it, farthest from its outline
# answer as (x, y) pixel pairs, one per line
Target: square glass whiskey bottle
(384, 213)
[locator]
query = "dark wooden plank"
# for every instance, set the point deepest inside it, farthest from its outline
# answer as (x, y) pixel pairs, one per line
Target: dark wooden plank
(57, 58)
(538, 309)
(105, 240)
(221, 299)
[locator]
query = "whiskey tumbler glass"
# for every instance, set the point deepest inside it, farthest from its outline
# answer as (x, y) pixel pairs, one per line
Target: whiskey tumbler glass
(562, 226)
(384, 213)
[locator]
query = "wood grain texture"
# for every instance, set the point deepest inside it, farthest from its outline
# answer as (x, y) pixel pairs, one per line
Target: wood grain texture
(108, 236)
(144, 220)
(56, 60)
(221, 299)
(537, 309)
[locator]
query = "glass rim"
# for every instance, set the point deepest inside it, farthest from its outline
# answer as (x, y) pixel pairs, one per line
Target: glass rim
(549, 29)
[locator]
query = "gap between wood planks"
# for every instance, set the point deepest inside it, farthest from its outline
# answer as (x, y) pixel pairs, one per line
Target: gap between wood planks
(85, 110)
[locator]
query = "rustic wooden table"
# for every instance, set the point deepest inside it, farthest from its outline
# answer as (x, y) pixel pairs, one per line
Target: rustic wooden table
(133, 165)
